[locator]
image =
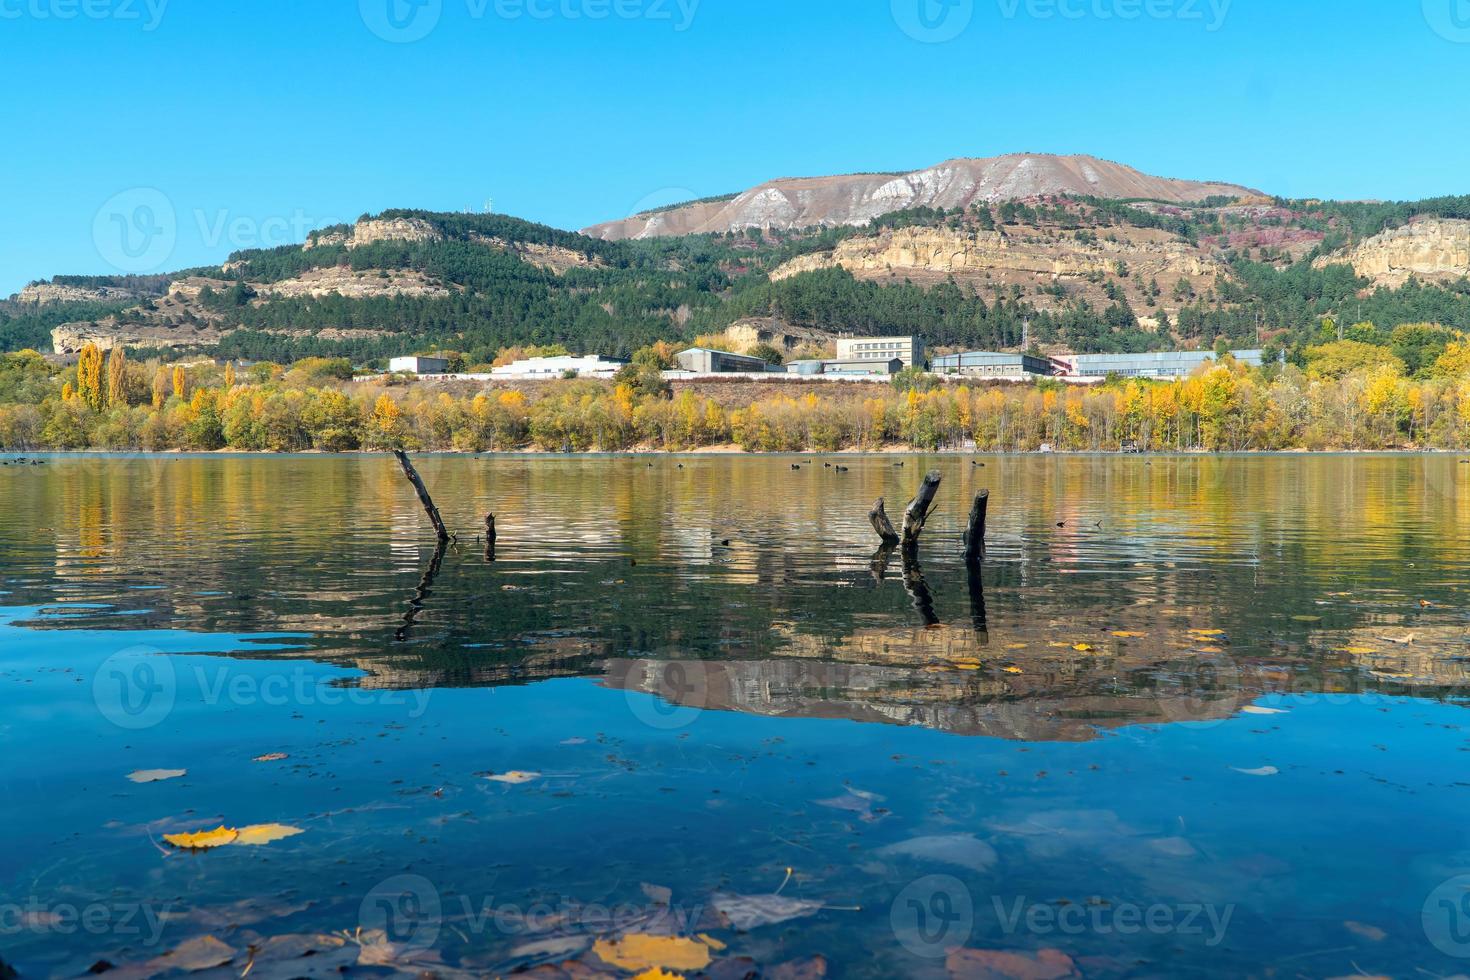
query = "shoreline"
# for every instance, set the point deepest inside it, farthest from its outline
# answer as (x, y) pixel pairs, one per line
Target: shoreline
(10, 456)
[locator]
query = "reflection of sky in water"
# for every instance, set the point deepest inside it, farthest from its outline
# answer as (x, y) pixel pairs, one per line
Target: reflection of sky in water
(871, 756)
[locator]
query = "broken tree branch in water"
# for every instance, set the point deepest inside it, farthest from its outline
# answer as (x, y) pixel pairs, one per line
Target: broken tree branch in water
(918, 590)
(878, 517)
(918, 512)
(421, 594)
(975, 536)
(423, 492)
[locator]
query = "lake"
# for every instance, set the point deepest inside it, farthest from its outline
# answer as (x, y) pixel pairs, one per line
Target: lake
(1197, 716)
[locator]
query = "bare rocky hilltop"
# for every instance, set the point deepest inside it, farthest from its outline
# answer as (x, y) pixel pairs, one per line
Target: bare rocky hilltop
(856, 199)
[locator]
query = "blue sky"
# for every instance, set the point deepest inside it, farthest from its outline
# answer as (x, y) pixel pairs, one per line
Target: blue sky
(228, 125)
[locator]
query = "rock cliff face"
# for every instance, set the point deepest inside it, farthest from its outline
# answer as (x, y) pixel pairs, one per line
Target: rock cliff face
(856, 199)
(379, 230)
(1035, 258)
(42, 293)
(356, 284)
(1433, 249)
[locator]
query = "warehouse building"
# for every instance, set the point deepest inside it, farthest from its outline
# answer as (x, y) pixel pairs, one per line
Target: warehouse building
(1161, 364)
(703, 360)
(992, 364)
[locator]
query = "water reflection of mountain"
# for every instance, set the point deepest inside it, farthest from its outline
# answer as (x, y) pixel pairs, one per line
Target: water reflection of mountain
(760, 577)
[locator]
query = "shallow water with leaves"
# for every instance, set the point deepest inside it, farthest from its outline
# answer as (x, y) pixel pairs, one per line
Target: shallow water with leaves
(1196, 716)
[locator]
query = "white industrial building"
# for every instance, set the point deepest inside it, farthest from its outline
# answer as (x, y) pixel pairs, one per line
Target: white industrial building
(419, 365)
(543, 368)
(909, 350)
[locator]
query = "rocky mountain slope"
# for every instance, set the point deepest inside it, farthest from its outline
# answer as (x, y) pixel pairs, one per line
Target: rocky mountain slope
(1053, 265)
(856, 199)
(1430, 249)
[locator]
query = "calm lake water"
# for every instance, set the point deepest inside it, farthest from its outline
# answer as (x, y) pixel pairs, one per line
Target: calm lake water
(1199, 717)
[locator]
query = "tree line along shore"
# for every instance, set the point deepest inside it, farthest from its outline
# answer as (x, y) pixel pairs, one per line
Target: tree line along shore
(1346, 396)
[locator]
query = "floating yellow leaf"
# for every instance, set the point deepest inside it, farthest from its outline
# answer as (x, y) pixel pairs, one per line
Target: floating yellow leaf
(1208, 632)
(1210, 650)
(711, 942)
(156, 775)
(1014, 670)
(204, 839)
(1015, 646)
(637, 951)
(1358, 651)
(1083, 647)
(514, 777)
(1128, 634)
(264, 833)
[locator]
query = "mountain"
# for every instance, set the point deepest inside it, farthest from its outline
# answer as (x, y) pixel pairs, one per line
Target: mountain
(856, 199)
(1081, 271)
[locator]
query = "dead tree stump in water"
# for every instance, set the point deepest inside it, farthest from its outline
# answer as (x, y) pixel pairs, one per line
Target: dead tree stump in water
(489, 537)
(878, 517)
(975, 536)
(917, 513)
(423, 492)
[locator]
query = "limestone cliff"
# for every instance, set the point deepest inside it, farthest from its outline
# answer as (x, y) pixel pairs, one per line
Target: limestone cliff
(1432, 249)
(41, 293)
(1028, 257)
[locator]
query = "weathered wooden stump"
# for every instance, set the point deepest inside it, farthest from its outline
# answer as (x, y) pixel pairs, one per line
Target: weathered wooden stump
(918, 511)
(878, 517)
(975, 535)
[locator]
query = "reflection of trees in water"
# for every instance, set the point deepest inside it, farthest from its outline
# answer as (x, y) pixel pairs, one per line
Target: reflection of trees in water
(602, 559)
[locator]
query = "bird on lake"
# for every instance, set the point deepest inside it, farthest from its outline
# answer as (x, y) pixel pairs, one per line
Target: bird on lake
(795, 466)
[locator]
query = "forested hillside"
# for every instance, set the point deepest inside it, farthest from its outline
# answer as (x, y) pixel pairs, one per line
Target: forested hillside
(1258, 271)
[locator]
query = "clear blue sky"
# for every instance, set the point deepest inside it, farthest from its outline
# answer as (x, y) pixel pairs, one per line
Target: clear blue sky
(254, 121)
